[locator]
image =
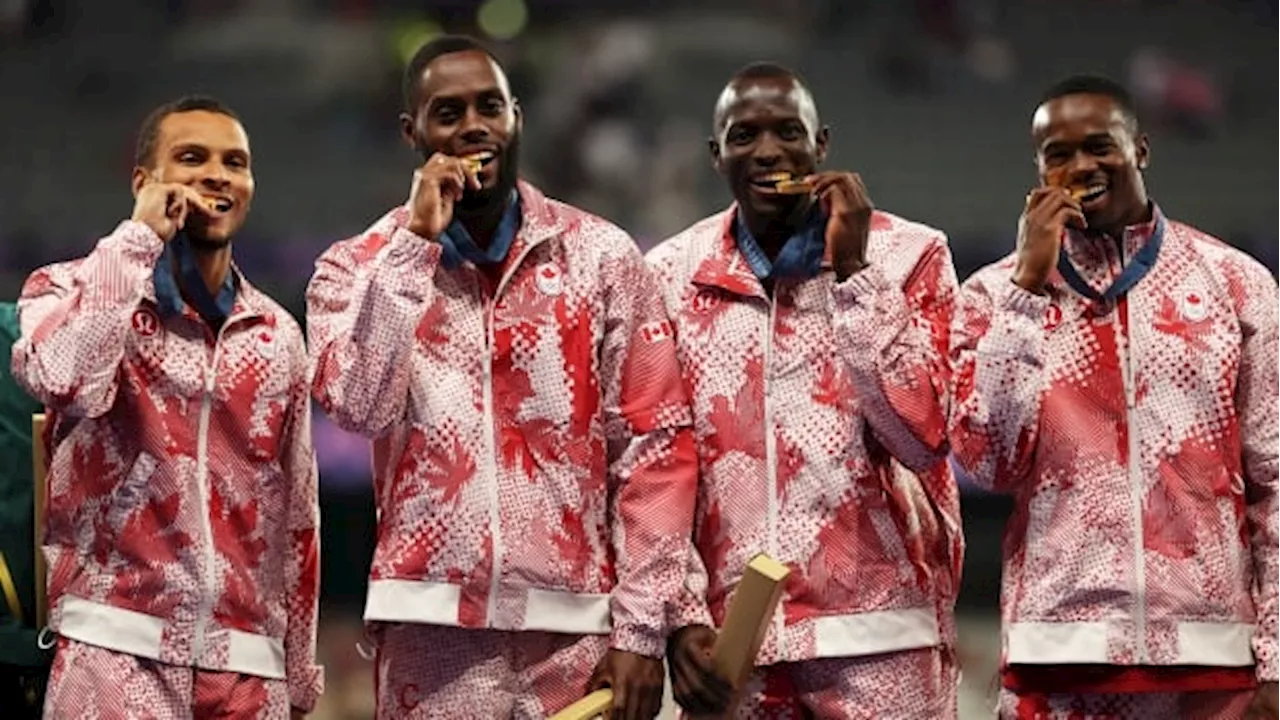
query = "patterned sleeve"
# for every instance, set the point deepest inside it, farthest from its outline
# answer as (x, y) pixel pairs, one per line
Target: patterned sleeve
(1256, 405)
(652, 462)
(364, 303)
(302, 561)
(997, 357)
(894, 341)
(75, 319)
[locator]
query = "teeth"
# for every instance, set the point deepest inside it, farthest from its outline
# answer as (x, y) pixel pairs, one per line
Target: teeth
(793, 187)
(775, 177)
(476, 161)
(1081, 193)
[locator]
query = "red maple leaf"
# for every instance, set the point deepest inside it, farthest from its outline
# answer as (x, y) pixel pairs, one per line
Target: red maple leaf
(571, 543)
(1184, 503)
(740, 425)
(834, 387)
(148, 541)
(450, 470)
(432, 331)
(578, 347)
(714, 541)
(238, 539)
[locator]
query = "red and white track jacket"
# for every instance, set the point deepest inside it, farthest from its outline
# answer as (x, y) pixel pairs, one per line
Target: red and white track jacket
(807, 407)
(182, 516)
(1139, 442)
(533, 454)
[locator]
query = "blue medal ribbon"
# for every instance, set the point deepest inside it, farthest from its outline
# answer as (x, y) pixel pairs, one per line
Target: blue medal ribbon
(800, 256)
(1136, 269)
(459, 246)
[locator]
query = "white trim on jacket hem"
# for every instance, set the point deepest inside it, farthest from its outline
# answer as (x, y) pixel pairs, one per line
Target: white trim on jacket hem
(139, 634)
(1215, 644)
(875, 632)
(436, 603)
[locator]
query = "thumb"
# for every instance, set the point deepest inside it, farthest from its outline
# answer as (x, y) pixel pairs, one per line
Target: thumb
(601, 677)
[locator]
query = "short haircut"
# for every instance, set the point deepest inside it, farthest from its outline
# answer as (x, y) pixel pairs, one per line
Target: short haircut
(761, 70)
(1095, 85)
(149, 134)
(443, 45)
(767, 71)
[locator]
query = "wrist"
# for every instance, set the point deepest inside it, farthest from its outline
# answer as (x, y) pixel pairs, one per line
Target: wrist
(848, 268)
(1031, 282)
(420, 229)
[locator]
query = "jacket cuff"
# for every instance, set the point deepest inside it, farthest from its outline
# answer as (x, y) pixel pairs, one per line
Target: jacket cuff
(1264, 653)
(305, 687)
(639, 639)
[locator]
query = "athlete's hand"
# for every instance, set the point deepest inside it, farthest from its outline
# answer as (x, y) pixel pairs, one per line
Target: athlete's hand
(1048, 212)
(636, 682)
(166, 207)
(437, 185)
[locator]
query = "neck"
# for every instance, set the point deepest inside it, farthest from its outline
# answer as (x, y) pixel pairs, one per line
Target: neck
(213, 266)
(1141, 213)
(772, 232)
(482, 223)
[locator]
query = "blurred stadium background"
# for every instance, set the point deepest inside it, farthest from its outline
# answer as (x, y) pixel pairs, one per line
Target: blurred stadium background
(928, 99)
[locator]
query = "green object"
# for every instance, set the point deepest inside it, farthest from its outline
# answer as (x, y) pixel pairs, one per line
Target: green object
(17, 638)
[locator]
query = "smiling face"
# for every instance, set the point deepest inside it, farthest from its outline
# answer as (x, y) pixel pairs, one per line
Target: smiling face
(1085, 142)
(464, 107)
(207, 151)
(764, 127)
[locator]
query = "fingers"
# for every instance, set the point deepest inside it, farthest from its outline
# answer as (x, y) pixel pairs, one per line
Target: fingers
(1062, 209)
(451, 174)
(1073, 217)
(697, 685)
(194, 202)
(600, 679)
(1049, 199)
(618, 709)
(651, 702)
(841, 192)
(637, 698)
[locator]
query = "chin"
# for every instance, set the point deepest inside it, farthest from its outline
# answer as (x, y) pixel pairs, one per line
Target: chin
(200, 241)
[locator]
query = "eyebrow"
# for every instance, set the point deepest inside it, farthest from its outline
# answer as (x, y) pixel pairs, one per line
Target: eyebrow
(192, 145)
(1091, 136)
(437, 99)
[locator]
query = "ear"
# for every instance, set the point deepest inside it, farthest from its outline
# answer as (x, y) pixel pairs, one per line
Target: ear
(1142, 151)
(406, 130)
(1039, 166)
(820, 144)
(519, 114)
(141, 176)
(717, 160)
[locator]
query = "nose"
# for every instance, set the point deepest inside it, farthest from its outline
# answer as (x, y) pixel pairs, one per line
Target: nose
(1082, 164)
(215, 176)
(767, 152)
(474, 128)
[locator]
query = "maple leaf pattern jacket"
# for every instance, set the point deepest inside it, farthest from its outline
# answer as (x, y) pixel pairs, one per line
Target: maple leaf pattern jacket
(533, 456)
(820, 418)
(1139, 443)
(182, 516)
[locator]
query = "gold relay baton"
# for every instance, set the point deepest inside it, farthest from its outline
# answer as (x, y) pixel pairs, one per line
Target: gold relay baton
(734, 654)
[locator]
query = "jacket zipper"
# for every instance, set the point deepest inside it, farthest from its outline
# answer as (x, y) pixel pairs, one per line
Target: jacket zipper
(1125, 334)
(491, 450)
(490, 439)
(204, 611)
(771, 454)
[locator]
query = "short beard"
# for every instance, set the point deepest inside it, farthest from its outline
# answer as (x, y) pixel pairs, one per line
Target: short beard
(488, 201)
(204, 245)
(200, 242)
